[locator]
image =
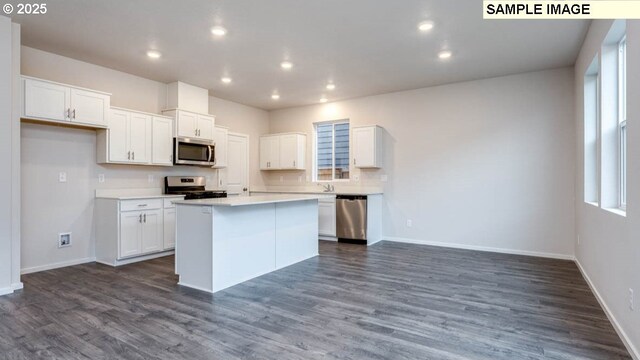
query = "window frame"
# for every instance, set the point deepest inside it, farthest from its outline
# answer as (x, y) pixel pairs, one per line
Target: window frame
(622, 123)
(333, 124)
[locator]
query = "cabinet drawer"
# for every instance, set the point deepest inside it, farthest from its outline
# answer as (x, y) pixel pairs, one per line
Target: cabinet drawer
(168, 203)
(140, 204)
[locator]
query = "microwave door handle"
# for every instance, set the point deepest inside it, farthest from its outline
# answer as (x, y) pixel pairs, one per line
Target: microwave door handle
(210, 152)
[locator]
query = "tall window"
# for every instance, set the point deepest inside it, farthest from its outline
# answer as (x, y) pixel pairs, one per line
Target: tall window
(332, 151)
(622, 120)
(591, 111)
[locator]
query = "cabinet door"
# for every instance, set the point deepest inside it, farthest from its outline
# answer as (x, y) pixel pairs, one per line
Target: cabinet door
(89, 107)
(45, 100)
(274, 152)
(169, 229)
(364, 147)
(152, 231)
(119, 136)
(162, 141)
(187, 124)
(221, 139)
(130, 233)
(265, 152)
(288, 151)
(140, 138)
(205, 127)
(327, 217)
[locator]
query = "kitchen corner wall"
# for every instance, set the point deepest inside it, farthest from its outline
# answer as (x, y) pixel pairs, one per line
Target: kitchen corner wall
(50, 207)
(486, 164)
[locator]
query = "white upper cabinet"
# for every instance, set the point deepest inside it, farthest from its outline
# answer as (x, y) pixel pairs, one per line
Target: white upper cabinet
(140, 138)
(205, 127)
(187, 124)
(283, 152)
(367, 146)
(46, 100)
(136, 138)
(49, 101)
(162, 141)
(221, 136)
(192, 125)
(89, 107)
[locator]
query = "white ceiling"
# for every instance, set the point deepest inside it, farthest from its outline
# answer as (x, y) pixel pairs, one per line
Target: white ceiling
(365, 46)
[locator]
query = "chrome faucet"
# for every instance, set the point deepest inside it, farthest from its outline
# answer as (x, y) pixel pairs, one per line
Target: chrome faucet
(328, 188)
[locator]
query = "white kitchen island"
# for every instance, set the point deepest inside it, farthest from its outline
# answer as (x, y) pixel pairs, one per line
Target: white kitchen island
(223, 242)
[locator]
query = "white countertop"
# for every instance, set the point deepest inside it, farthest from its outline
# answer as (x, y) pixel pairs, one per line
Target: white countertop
(320, 192)
(250, 200)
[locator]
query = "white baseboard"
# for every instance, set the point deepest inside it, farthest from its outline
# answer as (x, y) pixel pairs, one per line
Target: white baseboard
(327, 238)
(56, 265)
(621, 333)
(6, 290)
(135, 259)
(17, 286)
(479, 248)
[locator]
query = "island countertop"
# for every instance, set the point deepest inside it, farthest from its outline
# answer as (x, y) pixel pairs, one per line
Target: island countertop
(251, 200)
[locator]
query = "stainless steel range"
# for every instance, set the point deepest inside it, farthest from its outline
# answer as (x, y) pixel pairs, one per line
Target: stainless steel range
(192, 187)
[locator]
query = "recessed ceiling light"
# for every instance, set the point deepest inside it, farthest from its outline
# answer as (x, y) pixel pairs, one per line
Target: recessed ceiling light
(153, 54)
(331, 86)
(218, 31)
(425, 26)
(323, 99)
(286, 65)
(445, 54)
(226, 80)
(275, 96)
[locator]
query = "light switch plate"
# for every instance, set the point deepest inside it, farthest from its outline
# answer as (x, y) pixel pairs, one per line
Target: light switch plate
(62, 177)
(101, 178)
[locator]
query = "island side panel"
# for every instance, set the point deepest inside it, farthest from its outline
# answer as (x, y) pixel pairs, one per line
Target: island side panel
(374, 219)
(296, 232)
(194, 236)
(243, 243)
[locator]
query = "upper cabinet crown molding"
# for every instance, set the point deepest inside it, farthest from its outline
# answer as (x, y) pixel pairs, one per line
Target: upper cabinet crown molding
(367, 146)
(49, 101)
(191, 124)
(286, 151)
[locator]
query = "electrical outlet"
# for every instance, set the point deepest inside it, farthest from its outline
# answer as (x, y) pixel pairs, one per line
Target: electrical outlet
(101, 178)
(64, 240)
(151, 179)
(409, 223)
(62, 177)
(356, 178)
(631, 300)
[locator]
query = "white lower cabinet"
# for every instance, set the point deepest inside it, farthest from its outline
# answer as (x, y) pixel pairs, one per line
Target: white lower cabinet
(327, 217)
(134, 230)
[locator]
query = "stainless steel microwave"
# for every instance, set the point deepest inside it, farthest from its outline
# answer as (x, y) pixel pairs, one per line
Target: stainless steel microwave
(197, 152)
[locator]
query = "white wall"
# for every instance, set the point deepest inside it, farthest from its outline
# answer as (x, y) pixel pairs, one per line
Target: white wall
(486, 164)
(50, 207)
(609, 248)
(6, 177)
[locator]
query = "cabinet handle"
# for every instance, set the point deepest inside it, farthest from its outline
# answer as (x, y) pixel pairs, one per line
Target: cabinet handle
(294, 163)
(128, 155)
(354, 161)
(142, 205)
(74, 113)
(145, 218)
(195, 132)
(133, 155)
(68, 113)
(140, 219)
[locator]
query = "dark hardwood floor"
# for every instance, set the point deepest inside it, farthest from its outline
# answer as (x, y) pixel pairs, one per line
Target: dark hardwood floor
(388, 301)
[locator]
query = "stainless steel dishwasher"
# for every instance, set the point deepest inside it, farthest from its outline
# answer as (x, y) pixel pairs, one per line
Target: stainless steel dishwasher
(351, 218)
